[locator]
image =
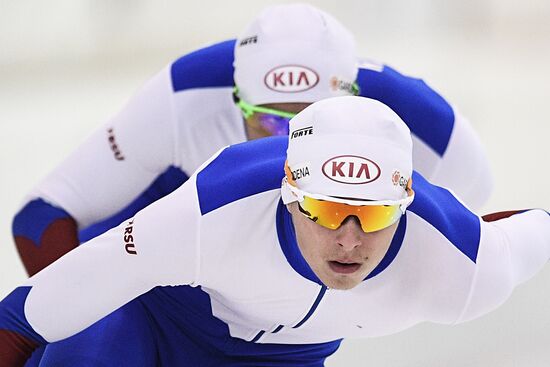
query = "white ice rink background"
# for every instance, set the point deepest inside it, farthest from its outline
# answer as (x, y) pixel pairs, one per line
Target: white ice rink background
(66, 66)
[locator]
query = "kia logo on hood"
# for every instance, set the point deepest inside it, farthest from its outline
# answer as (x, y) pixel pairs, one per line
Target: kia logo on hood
(351, 169)
(291, 79)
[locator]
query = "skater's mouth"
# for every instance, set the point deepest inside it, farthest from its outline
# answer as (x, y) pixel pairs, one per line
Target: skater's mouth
(344, 267)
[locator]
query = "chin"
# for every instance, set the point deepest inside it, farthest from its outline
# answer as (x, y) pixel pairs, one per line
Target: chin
(341, 283)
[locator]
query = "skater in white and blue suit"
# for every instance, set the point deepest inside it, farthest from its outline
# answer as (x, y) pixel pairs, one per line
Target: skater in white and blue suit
(279, 248)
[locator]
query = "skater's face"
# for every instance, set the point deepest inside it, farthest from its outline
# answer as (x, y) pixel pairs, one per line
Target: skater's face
(263, 124)
(343, 257)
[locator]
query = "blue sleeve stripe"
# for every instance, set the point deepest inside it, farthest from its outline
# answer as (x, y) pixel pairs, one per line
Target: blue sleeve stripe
(12, 315)
(240, 171)
(34, 218)
(164, 184)
(442, 210)
(205, 68)
(427, 114)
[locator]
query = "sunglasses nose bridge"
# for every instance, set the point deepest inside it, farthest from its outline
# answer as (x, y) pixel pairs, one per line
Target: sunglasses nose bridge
(350, 218)
(348, 234)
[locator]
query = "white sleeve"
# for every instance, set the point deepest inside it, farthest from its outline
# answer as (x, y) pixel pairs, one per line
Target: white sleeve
(158, 247)
(511, 251)
(464, 166)
(119, 160)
